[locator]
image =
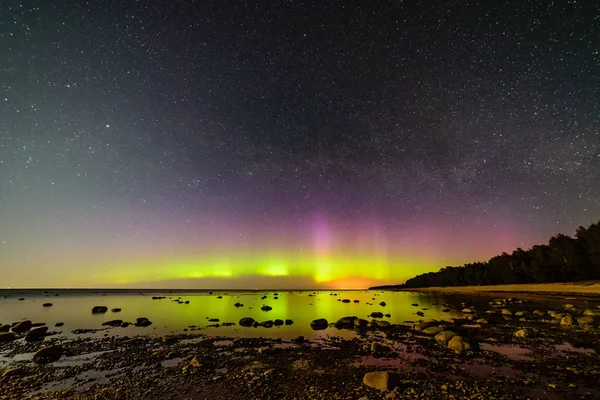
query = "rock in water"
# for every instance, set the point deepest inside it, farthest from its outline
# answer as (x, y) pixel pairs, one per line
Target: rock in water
(376, 314)
(47, 305)
(319, 324)
(247, 322)
(22, 327)
(116, 310)
(458, 344)
(289, 322)
(99, 309)
(48, 354)
(143, 321)
(382, 380)
(266, 308)
(114, 322)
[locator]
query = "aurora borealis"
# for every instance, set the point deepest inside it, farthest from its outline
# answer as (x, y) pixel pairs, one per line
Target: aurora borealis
(223, 144)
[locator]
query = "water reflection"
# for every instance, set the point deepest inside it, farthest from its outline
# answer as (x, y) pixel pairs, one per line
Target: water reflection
(172, 314)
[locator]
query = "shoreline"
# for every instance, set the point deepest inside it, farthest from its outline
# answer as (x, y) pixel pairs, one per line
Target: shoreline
(591, 289)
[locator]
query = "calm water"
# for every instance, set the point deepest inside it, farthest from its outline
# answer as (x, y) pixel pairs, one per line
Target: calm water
(73, 308)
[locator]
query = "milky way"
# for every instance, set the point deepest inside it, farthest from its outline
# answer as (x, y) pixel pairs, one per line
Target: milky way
(290, 143)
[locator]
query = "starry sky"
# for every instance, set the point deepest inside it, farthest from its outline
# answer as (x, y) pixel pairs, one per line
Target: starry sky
(289, 144)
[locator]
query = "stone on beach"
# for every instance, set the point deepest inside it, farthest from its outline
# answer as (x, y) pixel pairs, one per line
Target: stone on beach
(444, 336)
(143, 321)
(382, 380)
(6, 337)
(48, 354)
(458, 344)
(22, 327)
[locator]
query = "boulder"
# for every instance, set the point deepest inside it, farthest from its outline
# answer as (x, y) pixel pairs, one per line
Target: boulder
(376, 314)
(539, 313)
(523, 333)
(590, 312)
(99, 309)
(467, 310)
(458, 344)
(568, 320)
(22, 327)
(37, 333)
(238, 305)
(586, 320)
(377, 348)
(506, 311)
(114, 322)
(299, 340)
(420, 313)
(47, 305)
(289, 322)
(521, 313)
(319, 324)
(360, 323)
(266, 308)
(346, 301)
(6, 337)
(345, 322)
(48, 354)
(432, 330)
(382, 304)
(143, 321)
(278, 322)
(382, 380)
(116, 310)
(4, 328)
(247, 322)
(59, 324)
(444, 336)
(383, 324)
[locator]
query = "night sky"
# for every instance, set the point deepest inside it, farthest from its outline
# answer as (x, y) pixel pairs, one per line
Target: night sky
(290, 144)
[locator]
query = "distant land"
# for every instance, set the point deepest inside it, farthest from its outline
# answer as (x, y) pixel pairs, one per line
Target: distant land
(541, 268)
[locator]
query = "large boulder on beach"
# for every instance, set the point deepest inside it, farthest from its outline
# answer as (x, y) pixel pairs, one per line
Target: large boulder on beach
(382, 380)
(567, 320)
(319, 324)
(458, 344)
(360, 323)
(22, 327)
(523, 333)
(48, 354)
(382, 324)
(143, 321)
(247, 322)
(345, 322)
(4, 328)
(37, 333)
(99, 309)
(586, 320)
(6, 337)
(432, 330)
(444, 336)
(590, 312)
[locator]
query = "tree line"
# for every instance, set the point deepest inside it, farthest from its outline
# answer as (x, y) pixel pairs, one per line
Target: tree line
(563, 259)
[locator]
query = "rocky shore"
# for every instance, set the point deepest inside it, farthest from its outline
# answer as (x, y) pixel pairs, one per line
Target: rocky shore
(499, 348)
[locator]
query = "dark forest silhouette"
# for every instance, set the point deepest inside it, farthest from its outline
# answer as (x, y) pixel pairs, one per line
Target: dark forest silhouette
(563, 259)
